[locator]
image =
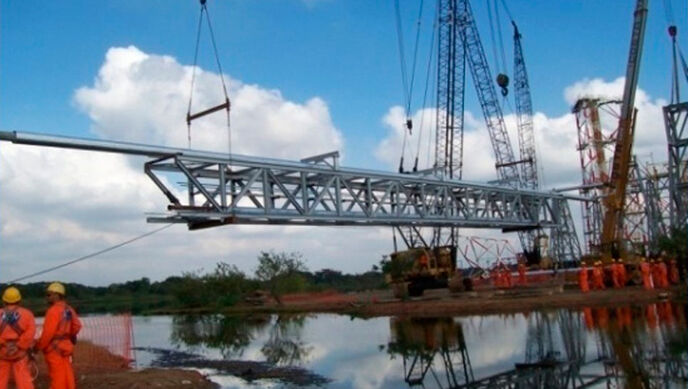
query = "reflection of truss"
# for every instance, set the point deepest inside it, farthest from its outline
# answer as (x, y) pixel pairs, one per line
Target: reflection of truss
(434, 346)
(485, 253)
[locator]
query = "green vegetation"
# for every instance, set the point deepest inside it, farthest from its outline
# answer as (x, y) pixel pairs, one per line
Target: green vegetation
(224, 286)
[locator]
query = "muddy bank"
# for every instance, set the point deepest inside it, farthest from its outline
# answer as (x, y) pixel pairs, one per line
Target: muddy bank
(95, 367)
(247, 370)
(486, 301)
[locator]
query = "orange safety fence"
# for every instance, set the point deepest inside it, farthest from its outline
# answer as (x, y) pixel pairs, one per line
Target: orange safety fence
(104, 342)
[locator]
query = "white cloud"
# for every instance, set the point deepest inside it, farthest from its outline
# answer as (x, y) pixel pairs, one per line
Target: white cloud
(556, 137)
(144, 98)
(60, 204)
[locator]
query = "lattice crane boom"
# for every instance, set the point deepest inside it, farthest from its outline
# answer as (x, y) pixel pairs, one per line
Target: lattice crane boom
(621, 162)
(524, 116)
(507, 169)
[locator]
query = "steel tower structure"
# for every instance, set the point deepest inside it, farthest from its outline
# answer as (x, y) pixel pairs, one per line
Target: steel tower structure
(595, 146)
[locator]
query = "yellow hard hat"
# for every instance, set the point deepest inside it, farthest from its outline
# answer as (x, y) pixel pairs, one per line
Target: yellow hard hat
(56, 287)
(11, 295)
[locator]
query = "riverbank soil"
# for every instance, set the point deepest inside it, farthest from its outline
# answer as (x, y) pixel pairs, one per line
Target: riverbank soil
(481, 301)
(95, 367)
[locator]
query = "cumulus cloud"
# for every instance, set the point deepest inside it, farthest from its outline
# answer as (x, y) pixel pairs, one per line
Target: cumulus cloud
(556, 136)
(556, 139)
(144, 97)
(60, 204)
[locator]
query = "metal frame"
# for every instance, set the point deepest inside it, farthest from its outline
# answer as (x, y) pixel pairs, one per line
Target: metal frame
(225, 189)
(675, 119)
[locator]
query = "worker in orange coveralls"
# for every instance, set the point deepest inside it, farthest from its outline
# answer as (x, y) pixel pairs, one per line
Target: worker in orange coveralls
(621, 270)
(583, 278)
(645, 270)
(58, 338)
(615, 274)
(522, 272)
(673, 272)
(597, 276)
(17, 330)
(663, 274)
(654, 269)
(506, 277)
(496, 277)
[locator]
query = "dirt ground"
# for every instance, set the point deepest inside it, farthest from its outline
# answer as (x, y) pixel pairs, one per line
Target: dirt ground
(95, 368)
(481, 301)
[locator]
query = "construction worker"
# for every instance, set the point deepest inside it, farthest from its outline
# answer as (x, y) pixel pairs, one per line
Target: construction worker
(522, 272)
(663, 274)
(583, 278)
(621, 270)
(673, 272)
(17, 330)
(646, 272)
(615, 274)
(654, 269)
(597, 276)
(58, 338)
(506, 277)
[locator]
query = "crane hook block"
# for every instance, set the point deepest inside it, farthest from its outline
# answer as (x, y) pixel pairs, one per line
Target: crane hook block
(202, 2)
(672, 31)
(503, 82)
(409, 125)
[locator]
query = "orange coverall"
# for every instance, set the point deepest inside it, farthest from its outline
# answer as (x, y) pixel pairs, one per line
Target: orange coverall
(621, 273)
(522, 273)
(615, 276)
(583, 279)
(597, 277)
(20, 335)
(663, 274)
(60, 326)
(673, 272)
(647, 280)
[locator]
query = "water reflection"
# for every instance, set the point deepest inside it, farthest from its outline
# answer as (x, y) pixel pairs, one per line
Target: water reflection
(285, 345)
(232, 335)
(639, 347)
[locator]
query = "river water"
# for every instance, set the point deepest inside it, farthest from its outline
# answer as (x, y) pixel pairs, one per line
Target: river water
(641, 346)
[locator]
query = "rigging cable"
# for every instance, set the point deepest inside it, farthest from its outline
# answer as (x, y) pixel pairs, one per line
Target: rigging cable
(425, 99)
(406, 83)
(226, 105)
(85, 257)
(502, 78)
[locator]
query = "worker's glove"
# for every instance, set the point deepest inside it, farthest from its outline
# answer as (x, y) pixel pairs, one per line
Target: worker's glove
(12, 349)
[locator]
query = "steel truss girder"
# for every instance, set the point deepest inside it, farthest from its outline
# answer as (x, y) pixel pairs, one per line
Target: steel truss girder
(222, 189)
(248, 191)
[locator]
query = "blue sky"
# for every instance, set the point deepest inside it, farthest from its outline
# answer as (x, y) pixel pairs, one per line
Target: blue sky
(309, 76)
(342, 51)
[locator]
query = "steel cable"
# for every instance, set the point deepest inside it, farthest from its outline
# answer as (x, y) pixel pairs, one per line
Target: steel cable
(85, 257)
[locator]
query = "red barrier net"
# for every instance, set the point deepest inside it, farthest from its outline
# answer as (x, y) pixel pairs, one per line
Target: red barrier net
(104, 342)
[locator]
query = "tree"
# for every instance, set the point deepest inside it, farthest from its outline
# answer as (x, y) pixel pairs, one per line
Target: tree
(280, 272)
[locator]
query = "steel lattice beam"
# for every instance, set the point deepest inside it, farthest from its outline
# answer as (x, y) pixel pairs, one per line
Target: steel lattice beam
(675, 120)
(223, 189)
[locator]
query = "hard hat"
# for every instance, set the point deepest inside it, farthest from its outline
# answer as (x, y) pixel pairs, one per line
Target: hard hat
(11, 295)
(56, 287)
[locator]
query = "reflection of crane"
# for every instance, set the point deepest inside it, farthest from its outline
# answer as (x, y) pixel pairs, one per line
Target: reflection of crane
(421, 341)
(621, 163)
